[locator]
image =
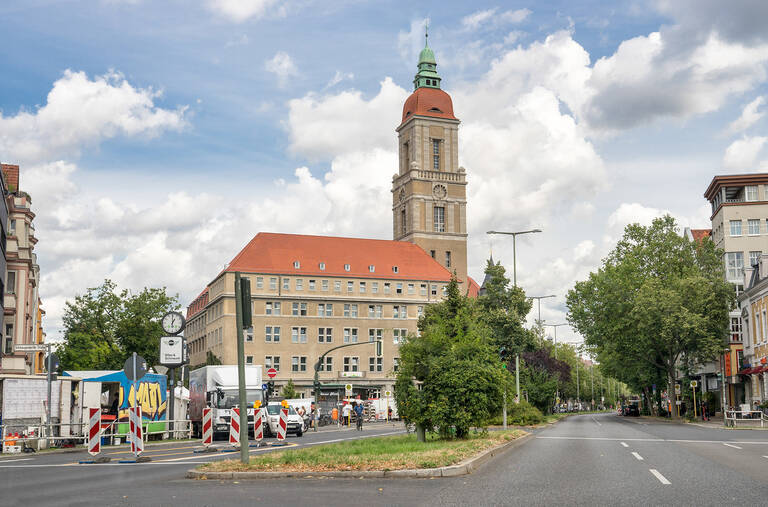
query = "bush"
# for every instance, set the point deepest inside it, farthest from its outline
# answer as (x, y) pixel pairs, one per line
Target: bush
(524, 414)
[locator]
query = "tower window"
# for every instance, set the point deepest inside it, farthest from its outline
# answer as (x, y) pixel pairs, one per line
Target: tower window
(407, 153)
(439, 218)
(402, 221)
(432, 253)
(436, 154)
(447, 259)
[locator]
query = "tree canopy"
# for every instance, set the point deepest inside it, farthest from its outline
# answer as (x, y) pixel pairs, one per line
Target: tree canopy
(105, 325)
(658, 302)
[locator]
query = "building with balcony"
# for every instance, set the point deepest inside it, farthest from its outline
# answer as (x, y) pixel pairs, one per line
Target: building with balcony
(21, 301)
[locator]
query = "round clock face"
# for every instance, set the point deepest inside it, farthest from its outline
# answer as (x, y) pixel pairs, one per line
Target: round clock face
(173, 322)
(439, 191)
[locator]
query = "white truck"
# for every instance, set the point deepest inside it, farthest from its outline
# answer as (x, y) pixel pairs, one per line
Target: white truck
(217, 387)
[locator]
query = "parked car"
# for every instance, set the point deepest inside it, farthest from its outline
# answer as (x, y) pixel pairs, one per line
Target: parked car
(632, 409)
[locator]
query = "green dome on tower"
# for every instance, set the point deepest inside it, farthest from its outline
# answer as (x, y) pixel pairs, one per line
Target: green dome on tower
(427, 76)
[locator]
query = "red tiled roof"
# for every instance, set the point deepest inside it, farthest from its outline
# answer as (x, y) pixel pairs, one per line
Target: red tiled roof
(700, 234)
(198, 304)
(276, 253)
(11, 173)
(473, 289)
(428, 102)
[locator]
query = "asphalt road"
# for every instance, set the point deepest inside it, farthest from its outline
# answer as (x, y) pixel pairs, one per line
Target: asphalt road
(584, 460)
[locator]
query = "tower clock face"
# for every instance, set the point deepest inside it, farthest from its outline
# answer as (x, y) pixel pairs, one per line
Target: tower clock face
(173, 323)
(439, 191)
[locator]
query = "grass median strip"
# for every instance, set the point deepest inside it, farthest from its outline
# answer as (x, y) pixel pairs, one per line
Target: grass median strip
(401, 452)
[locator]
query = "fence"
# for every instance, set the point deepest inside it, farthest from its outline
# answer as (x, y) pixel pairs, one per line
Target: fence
(43, 436)
(734, 418)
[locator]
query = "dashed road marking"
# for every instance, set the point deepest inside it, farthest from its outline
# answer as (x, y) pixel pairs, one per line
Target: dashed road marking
(598, 422)
(639, 458)
(660, 477)
(731, 445)
(624, 444)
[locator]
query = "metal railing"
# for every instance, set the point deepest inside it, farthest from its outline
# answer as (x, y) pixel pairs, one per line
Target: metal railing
(745, 418)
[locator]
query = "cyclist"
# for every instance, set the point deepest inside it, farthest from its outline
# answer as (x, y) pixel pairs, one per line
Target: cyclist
(359, 415)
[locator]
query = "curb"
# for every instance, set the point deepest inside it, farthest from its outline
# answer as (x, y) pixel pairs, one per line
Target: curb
(463, 468)
(71, 450)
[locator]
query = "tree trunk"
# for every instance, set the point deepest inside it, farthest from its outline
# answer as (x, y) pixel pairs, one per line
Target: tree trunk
(672, 395)
(420, 435)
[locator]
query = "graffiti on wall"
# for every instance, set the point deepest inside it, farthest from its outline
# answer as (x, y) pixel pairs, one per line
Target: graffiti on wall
(151, 397)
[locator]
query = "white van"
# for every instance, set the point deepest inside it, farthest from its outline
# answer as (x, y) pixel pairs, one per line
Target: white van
(295, 422)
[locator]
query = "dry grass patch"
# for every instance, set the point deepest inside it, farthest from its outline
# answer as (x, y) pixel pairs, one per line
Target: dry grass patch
(381, 453)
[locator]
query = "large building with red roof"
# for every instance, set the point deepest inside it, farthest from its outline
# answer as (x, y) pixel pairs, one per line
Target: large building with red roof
(312, 293)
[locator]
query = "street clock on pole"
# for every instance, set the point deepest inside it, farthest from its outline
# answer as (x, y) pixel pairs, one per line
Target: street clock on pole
(173, 323)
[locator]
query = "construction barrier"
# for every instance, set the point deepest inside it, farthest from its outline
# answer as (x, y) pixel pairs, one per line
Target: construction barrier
(282, 425)
(136, 433)
(207, 426)
(94, 431)
(234, 427)
(258, 427)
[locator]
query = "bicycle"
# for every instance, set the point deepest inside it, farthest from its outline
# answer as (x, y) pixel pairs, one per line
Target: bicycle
(359, 421)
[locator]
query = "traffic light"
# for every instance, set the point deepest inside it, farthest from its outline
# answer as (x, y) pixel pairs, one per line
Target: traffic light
(316, 384)
(378, 348)
(245, 297)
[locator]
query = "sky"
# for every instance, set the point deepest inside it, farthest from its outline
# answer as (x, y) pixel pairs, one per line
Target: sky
(157, 137)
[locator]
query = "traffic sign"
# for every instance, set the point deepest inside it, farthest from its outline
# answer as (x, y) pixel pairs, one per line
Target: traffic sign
(387, 393)
(264, 387)
(677, 389)
(29, 347)
(141, 368)
(348, 389)
(694, 383)
(271, 373)
(51, 362)
(171, 351)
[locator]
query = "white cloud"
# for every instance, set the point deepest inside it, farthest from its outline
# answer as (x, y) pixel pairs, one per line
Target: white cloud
(411, 42)
(477, 18)
(242, 10)
(80, 112)
(488, 17)
(513, 37)
(516, 16)
(742, 154)
(338, 78)
(749, 116)
(282, 66)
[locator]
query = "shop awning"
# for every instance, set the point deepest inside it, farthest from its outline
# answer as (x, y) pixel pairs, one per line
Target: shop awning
(754, 370)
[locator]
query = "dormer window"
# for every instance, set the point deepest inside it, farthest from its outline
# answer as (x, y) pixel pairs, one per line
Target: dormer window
(322, 266)
(435, 110)
(395, 269)
(347, 267)
(296, 264)
(371, 268)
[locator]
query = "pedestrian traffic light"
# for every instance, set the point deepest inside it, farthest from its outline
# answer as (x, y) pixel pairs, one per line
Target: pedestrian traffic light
(378, 348)
(245, 297)
(316, 384)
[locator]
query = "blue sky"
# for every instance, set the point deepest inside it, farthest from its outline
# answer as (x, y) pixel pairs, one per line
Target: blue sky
(157, 137)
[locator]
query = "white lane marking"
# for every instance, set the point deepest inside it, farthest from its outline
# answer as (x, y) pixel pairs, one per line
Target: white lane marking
(731, 445)
(639, 458)
(660, 477)
(14, 460)
(617, 439)
(624, 444)
(598, 423)
(766, 457)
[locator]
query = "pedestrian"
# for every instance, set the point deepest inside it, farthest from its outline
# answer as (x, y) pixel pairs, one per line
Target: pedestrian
(704, 411)
(359, 415)
(389, 413)
(346, 412)
(335, 415)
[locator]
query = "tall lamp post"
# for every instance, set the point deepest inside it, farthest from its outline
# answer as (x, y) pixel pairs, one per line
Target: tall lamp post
(514, 235)
(556, 326)
(538, 299)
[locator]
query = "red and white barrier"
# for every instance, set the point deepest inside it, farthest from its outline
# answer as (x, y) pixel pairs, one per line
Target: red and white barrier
(234, 427)
(258, 427)
(136, 433)
(94, 431)
(282, 425)
(207, 426)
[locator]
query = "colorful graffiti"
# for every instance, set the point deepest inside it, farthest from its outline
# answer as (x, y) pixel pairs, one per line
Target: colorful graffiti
(151, 398)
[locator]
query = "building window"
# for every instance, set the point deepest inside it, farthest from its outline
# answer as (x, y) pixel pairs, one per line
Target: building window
(754, 258)
(432, 253)
(298, 335)
(438, 214)
(735, 329)
(324, 335)
(311, 285)
(299, 363)
(324, 285)
(248, 359)
(296, 264)
(374, 334)
(350, 287)
(272, 362)
(272, 333)
(299, 284)
(259, 282)
(447, 259)
(387, 286)
(403, 227)
(436, 154)
(374, 287)
(273, 283)
(750, 192)
(328, 364)
(371, 268)
(325, 310)
(10, 283)
(434, 290)
(350, 310)
(362, 287)
(411, 289)
(350, 335)
(351, 363)
(286, 283)
(300, 309)
(337, 286)
(249, 334)
(398, 335)
(735, 227)
(423, 289)
(347, 267)
(420, 310)
(395, 364)
(375, 364)
(322, 266)
(407, 154)
(395, 269)
(753, 227)
(399, 288)
(12, 230)
(734, 265)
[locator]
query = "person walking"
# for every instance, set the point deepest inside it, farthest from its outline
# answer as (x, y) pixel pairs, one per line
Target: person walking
(335, 415)
(346, 412)
(359, 415)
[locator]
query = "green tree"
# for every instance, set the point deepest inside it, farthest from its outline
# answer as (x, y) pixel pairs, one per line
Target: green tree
(450, 377)
(657, 302)
(104, 326)
(289, 390)
(503, 309)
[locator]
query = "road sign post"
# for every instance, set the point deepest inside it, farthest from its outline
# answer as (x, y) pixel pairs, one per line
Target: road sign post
(242, 297)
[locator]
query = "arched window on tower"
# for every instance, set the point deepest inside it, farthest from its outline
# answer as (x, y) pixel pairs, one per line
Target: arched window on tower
(436, 154)
(403, 223)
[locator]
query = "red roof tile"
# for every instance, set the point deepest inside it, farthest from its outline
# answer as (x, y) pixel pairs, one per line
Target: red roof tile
(276, 253)
(473, 289)
(700, 234)
(428, 102)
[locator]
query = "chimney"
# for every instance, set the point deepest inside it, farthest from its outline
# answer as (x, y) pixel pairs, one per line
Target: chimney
(11, 174)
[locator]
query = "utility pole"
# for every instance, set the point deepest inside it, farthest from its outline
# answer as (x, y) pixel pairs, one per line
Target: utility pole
(244, 457)
(556, 326)
(538, 299)
(592, 374)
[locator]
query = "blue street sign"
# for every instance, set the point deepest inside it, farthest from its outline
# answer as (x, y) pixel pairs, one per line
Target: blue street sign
(264, 387)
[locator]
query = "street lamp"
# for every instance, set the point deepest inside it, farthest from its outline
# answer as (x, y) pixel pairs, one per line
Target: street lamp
(555, 326)
(539, 298)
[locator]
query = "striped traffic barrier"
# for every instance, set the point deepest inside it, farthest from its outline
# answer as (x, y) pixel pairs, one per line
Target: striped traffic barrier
(282, 425)
(234, 427)
(258, 426)
(94, 437)
(207, 426)
(137, 437)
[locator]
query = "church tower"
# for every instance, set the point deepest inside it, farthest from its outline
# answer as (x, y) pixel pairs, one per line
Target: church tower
(429, 191)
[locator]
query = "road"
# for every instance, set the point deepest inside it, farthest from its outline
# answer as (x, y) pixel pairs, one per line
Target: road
(584, 460)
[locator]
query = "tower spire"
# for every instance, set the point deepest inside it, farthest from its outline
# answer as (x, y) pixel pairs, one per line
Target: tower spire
(427, 76)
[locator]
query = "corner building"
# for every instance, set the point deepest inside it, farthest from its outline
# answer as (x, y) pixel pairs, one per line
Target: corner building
(313, 293)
